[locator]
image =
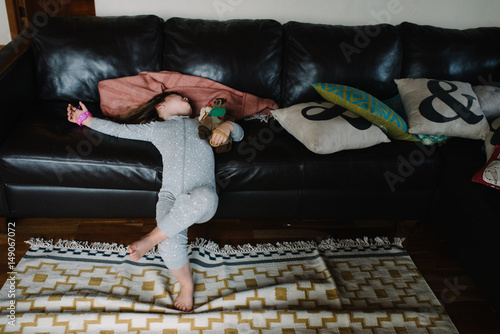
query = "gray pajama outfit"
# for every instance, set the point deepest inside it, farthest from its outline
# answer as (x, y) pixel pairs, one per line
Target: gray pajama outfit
(188, 194)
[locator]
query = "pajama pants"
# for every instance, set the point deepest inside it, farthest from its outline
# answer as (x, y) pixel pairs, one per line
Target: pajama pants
(175, 215)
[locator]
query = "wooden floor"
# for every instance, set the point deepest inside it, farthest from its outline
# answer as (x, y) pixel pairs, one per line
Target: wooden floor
(467, 307)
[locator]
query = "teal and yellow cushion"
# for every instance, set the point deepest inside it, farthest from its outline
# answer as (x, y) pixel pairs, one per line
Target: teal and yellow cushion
(368, 107)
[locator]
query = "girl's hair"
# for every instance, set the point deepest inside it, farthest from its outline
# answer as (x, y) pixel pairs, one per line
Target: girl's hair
(144, 113)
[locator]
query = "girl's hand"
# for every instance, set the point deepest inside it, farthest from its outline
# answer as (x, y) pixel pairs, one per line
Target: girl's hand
(74, 113)
(217, 138)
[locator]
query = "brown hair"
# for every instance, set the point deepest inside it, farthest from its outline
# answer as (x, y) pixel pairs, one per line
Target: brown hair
(144, 113)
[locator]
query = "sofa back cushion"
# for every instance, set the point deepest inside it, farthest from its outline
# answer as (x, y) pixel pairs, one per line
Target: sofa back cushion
(364, 57)
(470, 55)
(243, 54)
(74, 53)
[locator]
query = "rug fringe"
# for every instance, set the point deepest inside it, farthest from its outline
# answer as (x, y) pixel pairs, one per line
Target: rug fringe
(213, 247)
(73, 244)
(329, 244)
(249, 248)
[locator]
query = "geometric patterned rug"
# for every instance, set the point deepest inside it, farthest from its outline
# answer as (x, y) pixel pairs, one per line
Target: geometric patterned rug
(336, 286)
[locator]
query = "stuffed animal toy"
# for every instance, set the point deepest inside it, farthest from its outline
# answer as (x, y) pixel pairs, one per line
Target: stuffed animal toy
(211, 117)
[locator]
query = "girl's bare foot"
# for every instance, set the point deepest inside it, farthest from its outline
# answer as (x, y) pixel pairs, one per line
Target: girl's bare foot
(184, 300)
(140, 247)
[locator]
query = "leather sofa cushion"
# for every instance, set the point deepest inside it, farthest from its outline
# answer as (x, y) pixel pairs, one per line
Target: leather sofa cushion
(61, 201)
(243, 54)
(269, 158)
(275, 175)
(364, 57)
(73, 54)
(469, 55)
(44, 149)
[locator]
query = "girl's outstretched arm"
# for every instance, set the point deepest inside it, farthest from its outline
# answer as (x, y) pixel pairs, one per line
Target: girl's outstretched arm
(82, 116)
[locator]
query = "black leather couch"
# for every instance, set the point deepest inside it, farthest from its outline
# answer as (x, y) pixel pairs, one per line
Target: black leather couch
(51, 168)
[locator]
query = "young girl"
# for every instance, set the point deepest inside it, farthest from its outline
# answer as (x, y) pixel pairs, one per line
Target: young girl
(188, 195)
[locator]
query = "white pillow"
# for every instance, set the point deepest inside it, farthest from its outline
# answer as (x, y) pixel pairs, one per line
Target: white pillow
(325, 128)
(489, 100)
(442, 108)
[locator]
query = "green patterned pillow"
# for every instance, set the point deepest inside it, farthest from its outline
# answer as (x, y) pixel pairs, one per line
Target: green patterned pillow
(367, 106)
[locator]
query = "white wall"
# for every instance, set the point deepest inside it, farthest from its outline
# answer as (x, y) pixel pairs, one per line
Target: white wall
(443, 13)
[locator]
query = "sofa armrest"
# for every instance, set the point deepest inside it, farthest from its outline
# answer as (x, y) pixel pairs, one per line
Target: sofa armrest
(17, 82)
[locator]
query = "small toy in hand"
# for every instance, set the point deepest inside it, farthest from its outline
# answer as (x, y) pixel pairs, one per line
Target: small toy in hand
(210, 118)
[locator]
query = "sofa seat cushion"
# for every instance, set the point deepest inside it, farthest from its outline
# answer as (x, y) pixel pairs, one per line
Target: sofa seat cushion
(271, 158)
(267, 158)
(44, 149)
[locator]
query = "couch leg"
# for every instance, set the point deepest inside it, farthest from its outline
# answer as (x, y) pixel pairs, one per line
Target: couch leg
(405, 227)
